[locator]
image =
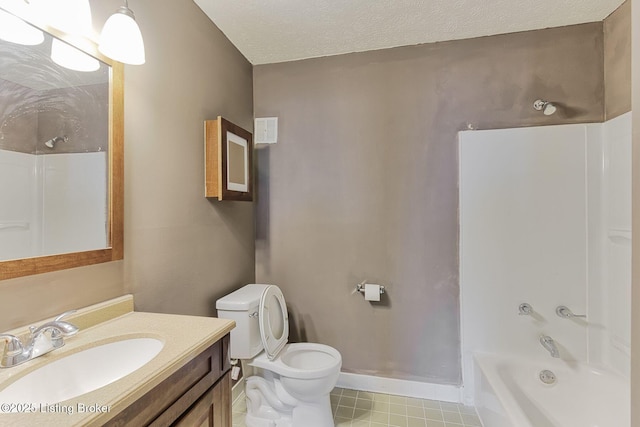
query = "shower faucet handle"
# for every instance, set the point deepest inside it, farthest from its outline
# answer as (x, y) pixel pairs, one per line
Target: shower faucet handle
(525, 309)
(566, 313)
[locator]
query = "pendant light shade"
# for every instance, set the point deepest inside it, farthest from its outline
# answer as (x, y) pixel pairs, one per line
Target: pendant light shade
(72, 58)
(121, 38)
(15, 30)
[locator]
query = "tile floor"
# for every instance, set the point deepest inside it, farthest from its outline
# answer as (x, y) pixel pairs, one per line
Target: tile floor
(364, 409)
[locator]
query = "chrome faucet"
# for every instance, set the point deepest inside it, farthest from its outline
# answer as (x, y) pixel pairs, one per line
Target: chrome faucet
(525, 309)
(566, 313)
(550, 345)
(41, 340)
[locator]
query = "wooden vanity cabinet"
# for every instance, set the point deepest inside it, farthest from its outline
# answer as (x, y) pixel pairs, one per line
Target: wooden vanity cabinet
(198, 394)
(209, 409)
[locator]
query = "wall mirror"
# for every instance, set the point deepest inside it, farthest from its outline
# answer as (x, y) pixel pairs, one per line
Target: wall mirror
(61, 152)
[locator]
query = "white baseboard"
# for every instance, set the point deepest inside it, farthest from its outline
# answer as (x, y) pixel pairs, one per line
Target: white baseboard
(445, 393)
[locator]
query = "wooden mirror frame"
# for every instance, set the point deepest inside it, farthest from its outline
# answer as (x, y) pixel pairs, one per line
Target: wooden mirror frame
(115, 192)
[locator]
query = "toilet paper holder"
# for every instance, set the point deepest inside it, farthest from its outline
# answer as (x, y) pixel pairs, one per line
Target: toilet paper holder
(360, 288)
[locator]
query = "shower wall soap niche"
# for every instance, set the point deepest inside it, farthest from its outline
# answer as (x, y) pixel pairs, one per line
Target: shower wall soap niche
(228, 161)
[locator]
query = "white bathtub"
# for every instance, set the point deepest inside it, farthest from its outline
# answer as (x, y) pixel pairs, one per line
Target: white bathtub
(509, 393)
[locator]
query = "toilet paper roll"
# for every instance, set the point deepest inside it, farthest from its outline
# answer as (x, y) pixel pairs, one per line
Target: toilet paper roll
(371, 292)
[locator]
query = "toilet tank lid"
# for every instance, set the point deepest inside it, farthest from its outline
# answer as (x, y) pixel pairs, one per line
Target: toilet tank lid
(242, 299)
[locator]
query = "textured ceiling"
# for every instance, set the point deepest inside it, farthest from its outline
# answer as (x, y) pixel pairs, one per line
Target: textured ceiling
(268, 31)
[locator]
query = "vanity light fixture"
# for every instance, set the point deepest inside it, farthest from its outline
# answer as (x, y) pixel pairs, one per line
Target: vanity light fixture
(121, 38)
(71, 16)
(74, 59)
(15, 30)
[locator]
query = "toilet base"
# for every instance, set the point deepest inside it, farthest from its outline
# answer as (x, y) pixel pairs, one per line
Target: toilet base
(269, 405)
(303, 416)
(313, 414)
(253, 421)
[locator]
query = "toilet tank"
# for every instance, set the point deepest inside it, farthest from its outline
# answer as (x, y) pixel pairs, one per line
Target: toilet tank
(242, 307)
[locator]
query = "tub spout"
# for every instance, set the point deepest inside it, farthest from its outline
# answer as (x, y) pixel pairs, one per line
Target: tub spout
(550, 345)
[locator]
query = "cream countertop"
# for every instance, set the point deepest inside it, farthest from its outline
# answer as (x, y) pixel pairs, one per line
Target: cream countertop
(184, 337)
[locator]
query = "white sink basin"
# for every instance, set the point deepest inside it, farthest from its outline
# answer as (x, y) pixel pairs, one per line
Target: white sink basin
(81, 372)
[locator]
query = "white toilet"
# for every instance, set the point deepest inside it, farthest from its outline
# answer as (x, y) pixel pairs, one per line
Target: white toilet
(290, 383)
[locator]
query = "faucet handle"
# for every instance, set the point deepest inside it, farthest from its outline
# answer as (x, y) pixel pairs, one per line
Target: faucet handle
(14, 352)
(566, 313)
(525, 309)
(64, 329)
(66, 313)
(13, 345)
(58, 328)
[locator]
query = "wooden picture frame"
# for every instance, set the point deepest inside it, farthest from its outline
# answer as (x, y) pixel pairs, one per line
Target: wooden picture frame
(228, 161)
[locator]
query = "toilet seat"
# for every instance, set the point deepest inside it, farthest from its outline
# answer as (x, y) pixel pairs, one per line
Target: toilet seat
(274, 321)
(299, 360)
(302, 361)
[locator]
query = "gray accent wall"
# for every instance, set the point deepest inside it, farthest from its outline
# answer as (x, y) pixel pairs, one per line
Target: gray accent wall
(362, 183)
(29, 118)
(18, 132)
(182, 251)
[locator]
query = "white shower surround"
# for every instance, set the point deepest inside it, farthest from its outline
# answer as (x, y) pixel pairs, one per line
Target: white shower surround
(59, 203)
(545, 219)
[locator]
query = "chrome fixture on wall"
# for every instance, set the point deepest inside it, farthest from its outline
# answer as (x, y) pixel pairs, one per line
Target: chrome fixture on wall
(525, 309)
(547, 108)
(566, 313)
(53, 141)
(550, 345)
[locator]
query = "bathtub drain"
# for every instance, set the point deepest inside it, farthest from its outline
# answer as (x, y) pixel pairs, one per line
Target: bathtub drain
(547, 377)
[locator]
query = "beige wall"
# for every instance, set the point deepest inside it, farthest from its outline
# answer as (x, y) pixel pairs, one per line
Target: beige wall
(363, 182)
(617, 61)
(182, 251)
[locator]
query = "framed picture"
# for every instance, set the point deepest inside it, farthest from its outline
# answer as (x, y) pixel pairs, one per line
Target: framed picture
(228, 161)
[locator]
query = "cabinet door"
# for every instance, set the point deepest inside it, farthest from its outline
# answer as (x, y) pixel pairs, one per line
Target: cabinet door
(228, 161)
(213, 409)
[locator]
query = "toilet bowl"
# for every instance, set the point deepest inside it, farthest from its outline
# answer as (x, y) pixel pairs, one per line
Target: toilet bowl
(306, 369)
(291, 383)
